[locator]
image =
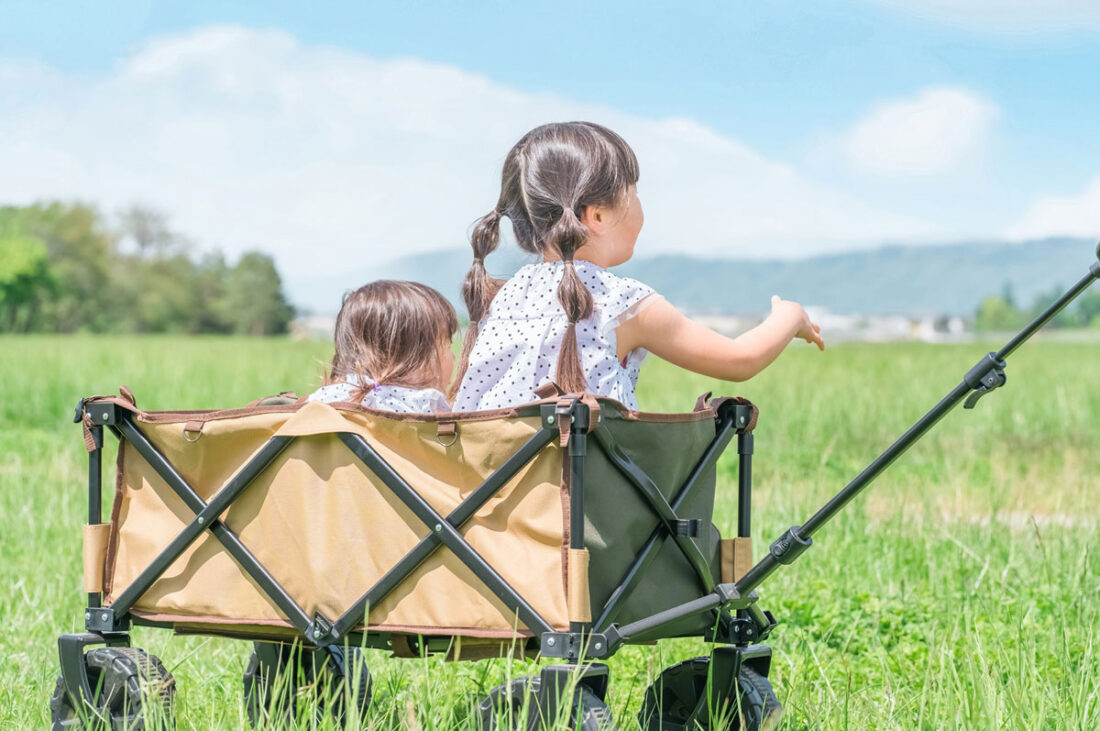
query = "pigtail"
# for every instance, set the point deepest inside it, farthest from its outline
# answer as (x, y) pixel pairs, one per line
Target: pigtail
(478, 289)
(567, 235)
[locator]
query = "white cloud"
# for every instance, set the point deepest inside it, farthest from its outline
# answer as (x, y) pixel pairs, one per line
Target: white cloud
(934, 132)
(1062, 216)
(1007, 16)
(331, 159)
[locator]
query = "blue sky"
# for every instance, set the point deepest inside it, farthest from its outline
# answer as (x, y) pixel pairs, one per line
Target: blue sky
(915, 121)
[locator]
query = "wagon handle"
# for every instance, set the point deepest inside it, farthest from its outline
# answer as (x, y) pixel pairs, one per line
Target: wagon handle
(985, 376)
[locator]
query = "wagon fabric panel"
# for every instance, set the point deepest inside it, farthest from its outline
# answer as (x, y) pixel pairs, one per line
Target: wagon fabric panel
(618, 520)
(327, 529)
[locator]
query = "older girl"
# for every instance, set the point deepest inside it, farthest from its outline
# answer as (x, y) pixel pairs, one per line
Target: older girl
(570, 192)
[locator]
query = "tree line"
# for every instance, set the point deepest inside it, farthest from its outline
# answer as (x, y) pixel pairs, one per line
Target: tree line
(1002, 313)
(64, 267)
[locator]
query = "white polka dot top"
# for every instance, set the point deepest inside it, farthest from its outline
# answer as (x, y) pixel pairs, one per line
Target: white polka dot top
(519, 339)
(385, 398)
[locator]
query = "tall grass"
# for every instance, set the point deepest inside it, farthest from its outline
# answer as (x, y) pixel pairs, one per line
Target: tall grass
(961, 591)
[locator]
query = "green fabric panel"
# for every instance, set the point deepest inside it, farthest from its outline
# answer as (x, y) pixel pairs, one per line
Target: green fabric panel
(619, 520)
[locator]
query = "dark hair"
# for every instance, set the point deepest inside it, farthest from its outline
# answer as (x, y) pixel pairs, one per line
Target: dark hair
(549, 177)
(389, 331)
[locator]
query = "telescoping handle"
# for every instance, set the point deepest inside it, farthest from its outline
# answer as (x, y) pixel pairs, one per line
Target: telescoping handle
(987, 375)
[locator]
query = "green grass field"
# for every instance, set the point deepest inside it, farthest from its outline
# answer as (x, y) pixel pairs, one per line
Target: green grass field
(961, 591)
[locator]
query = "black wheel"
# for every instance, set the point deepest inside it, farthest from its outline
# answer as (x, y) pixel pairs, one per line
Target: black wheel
(277, 673)
(675, 701)
(131, 690)
(514, 706)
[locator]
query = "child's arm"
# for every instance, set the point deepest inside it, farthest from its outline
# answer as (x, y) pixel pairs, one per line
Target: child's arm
(664, 331)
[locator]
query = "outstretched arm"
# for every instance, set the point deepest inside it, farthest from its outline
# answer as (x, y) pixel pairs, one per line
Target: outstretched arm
(664, 331)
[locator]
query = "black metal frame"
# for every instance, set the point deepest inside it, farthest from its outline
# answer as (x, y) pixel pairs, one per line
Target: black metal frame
(110, 624)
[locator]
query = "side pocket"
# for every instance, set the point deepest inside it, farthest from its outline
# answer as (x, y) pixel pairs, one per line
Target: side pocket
(736, 558)
(95, 555)
(580, 603)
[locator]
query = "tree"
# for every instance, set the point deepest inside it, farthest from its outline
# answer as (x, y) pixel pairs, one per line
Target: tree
(257, 305)
(25, 280)
(997, 313)
(149, 230)
(210, 295)
(81, 255)
(1088, 308)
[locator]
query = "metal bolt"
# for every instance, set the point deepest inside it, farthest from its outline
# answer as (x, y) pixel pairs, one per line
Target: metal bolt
(316, 633)
(438, 527)
(742, 420)
(106, 415)
(87, 616)
(201, 520)
(599, 646)
(549, 419)
(572, 419)
(550, 642)
(105, 616)
(749, 632)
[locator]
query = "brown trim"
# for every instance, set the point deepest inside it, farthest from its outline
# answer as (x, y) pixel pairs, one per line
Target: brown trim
(523, 410)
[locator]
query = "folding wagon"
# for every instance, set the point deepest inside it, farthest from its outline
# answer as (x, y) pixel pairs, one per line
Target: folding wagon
(566, 528)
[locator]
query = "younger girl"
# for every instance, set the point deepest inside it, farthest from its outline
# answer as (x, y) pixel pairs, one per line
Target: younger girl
(570, 193)
(393, 349)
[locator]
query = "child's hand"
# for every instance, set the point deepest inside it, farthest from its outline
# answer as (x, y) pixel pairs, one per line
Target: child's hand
(807, 330)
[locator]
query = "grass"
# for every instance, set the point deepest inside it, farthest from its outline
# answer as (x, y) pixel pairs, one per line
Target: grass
(961, 591)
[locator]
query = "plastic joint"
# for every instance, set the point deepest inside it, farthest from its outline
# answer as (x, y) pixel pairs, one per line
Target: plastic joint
(686, 527)
(321, 632)
(789, 546)
(986, 375)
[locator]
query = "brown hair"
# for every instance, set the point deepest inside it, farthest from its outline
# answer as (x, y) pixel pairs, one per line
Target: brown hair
(549, 177)
(389, 331)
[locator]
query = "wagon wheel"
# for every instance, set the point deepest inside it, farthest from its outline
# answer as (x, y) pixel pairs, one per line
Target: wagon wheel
(514, 706)
(277, 673)
(130, 690)
(677, 701)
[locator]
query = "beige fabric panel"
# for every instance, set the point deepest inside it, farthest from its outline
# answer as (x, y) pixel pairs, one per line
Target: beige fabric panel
(327, 529)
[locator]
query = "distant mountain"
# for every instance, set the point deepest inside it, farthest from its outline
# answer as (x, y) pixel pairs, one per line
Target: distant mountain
(906, 280)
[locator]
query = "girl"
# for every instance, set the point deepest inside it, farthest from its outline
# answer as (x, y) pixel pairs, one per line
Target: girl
(393, 349)
(570, 193)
